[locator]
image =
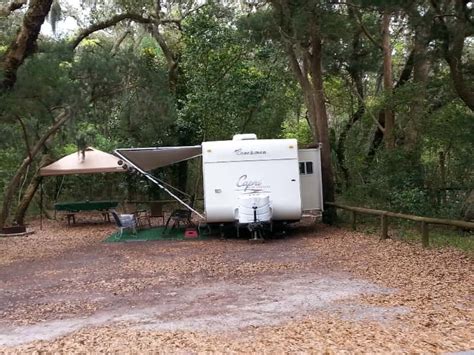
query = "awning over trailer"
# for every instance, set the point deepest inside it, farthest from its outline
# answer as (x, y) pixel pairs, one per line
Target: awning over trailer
(93, 162)
(151, 158)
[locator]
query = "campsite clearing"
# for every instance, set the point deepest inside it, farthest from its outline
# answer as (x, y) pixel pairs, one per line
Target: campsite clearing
(320, 289)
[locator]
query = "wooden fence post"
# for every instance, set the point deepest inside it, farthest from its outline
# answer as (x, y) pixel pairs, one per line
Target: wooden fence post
(384, 226)
(425, 236)
(353, 220)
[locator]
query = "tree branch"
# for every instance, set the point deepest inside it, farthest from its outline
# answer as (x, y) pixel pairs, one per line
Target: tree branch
(14, 182)
(109, 23)
(365, 31)
(168, 53)
(119, 41)
(24, 43)
(6, 10)
(25, 136)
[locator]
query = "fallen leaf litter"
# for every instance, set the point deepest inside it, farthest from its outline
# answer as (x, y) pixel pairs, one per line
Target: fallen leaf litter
(62, 273)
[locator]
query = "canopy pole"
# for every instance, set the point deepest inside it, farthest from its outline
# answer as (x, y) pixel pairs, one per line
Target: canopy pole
(41, 204)
(60, 189)
(156, 181)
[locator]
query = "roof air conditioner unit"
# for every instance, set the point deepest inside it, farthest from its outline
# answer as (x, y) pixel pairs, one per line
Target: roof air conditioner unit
(244, 137)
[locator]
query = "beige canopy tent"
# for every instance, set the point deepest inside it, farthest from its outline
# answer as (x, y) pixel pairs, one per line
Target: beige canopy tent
(94, 161)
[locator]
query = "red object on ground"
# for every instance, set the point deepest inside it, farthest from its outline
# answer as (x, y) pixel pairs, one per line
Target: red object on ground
(191, 233)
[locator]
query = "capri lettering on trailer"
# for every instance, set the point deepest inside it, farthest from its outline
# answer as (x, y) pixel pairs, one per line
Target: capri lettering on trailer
(248, 182)
(246, 185)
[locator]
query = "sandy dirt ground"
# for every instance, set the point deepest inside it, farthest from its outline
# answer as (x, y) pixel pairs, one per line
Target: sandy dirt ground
(320, 289)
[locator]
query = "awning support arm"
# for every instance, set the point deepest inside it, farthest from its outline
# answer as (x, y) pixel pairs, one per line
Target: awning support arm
(157, 182)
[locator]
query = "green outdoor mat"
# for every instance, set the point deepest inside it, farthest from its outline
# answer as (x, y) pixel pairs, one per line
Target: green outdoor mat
(151, 234)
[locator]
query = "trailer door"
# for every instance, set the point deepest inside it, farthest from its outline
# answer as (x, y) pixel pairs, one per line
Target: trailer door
(310, 179)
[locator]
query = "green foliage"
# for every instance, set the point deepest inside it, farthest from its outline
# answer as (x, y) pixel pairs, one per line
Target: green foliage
(117, 100)
(129, 98)
(299, 130)
(410, 180)
(231, 86)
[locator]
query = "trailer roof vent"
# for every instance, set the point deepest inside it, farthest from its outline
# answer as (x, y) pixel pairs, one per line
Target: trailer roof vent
(244, 137)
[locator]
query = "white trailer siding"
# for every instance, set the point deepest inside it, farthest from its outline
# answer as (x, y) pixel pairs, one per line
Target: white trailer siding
(310, 178)
(232, 168)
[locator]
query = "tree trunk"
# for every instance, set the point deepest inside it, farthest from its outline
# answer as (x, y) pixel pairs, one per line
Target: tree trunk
(30, 192)
(26, 200)
(341, 142)
(389, 135)
(454, 46)
(356, 76)
(172, 59)
(306, 87)
(442, 177)
(468, 207)
(377, 139)
(322, 126)
(307, 67)
(25, 42)
(15, 181)
(454, 59)
(421, 68)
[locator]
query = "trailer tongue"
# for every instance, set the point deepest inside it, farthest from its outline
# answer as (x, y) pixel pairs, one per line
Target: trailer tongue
(254, 212)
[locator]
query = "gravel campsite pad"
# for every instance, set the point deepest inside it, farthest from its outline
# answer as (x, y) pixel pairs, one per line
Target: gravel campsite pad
(320, 289)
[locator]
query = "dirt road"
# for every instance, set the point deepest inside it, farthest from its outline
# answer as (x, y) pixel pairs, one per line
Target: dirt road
(320, 289)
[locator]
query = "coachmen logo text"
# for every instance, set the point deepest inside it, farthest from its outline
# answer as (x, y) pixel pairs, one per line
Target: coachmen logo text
(240, 151)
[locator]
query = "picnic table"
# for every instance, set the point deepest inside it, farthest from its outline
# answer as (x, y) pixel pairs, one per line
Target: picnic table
(71, 208)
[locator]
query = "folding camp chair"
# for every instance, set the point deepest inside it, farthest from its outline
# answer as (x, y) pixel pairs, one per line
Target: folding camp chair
(177, 218)
(156, 211)
(139, 214)
(125, 221)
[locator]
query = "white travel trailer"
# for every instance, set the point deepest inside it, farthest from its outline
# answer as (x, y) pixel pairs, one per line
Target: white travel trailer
(246, 181)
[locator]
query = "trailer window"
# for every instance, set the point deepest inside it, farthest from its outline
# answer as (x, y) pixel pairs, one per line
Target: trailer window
(302, 169)
(306, 168)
